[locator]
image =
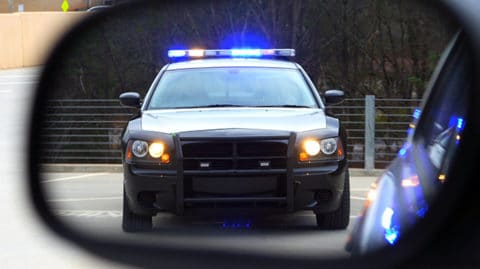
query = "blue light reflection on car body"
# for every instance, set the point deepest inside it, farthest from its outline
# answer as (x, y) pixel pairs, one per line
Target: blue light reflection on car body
(391, 231)
(457, 122)
(400, 206)
(395, 220)
(417, 113)
(391, 235)
(460, 124)
(403, 151)
(421, 212)
(414, 192)
(410, 131)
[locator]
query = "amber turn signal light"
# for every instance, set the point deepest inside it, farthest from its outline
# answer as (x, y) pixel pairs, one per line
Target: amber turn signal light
(303, 156)
(129, 154)
(340, 150)
(165, 158)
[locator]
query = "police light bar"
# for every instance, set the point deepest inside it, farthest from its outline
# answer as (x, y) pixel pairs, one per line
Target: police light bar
(197, 53)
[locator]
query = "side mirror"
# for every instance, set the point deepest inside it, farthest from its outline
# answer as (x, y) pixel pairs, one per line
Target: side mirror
(334, 97)
(130, 99)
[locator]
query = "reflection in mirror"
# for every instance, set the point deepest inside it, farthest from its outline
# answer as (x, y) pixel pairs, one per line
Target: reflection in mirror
(231, 146)
(406, 191)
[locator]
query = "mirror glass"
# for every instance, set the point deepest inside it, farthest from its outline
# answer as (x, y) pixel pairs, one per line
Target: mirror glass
(232, 147)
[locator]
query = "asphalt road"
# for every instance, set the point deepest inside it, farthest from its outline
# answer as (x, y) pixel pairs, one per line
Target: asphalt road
(92, 203)
(26, 242)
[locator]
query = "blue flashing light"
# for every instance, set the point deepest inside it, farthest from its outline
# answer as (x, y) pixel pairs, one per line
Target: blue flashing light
(246, 52)
(417, 113)
(177, 53)
(200, 53)
(391, 235)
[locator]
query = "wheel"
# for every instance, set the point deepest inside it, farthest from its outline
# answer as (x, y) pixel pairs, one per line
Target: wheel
(132, 222)
(338, 219)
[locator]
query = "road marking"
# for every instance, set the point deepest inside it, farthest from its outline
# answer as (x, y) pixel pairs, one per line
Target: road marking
(9, 76)
(84, 199)
(74, 177)
(17, 82)
(358, 198)
(88, 213)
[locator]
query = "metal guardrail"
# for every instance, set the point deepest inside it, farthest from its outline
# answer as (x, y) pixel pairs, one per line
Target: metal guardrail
(89, 130)
(376, 128)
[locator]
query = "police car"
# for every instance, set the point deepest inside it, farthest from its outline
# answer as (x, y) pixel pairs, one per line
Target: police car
(241, 131)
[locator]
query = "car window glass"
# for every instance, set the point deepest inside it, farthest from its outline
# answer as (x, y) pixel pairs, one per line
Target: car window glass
(235, 86)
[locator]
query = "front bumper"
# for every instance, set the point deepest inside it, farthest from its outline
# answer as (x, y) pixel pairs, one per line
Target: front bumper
(283, 187)
(320, 189)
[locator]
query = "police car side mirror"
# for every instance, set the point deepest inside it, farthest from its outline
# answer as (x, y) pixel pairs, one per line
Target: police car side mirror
(334, 97)
(130, 99)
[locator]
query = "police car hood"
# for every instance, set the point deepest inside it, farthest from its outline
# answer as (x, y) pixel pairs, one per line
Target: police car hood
(186, 120)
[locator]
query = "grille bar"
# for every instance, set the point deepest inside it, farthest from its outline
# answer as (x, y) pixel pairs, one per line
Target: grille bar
(216, 155)
(214, 158)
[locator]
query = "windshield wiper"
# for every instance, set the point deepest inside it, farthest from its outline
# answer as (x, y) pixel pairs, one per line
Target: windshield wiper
(293, 106)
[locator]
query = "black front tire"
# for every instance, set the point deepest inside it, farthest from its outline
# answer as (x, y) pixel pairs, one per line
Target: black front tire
(132, 222)
(340, 218)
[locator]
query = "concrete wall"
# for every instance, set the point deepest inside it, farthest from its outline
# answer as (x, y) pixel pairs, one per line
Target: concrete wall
(26, 38)
(45, 5)
(11, 44)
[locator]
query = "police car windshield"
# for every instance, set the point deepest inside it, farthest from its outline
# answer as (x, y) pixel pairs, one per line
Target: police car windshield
(232, 87)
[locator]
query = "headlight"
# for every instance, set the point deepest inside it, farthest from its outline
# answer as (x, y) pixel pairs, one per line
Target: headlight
(140, 148)
(328, 146)
(311, 147)
(156, 150)
(321, 149)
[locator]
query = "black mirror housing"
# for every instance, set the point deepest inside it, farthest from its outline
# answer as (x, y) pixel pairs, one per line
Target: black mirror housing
(334, 97)
(130, 99)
